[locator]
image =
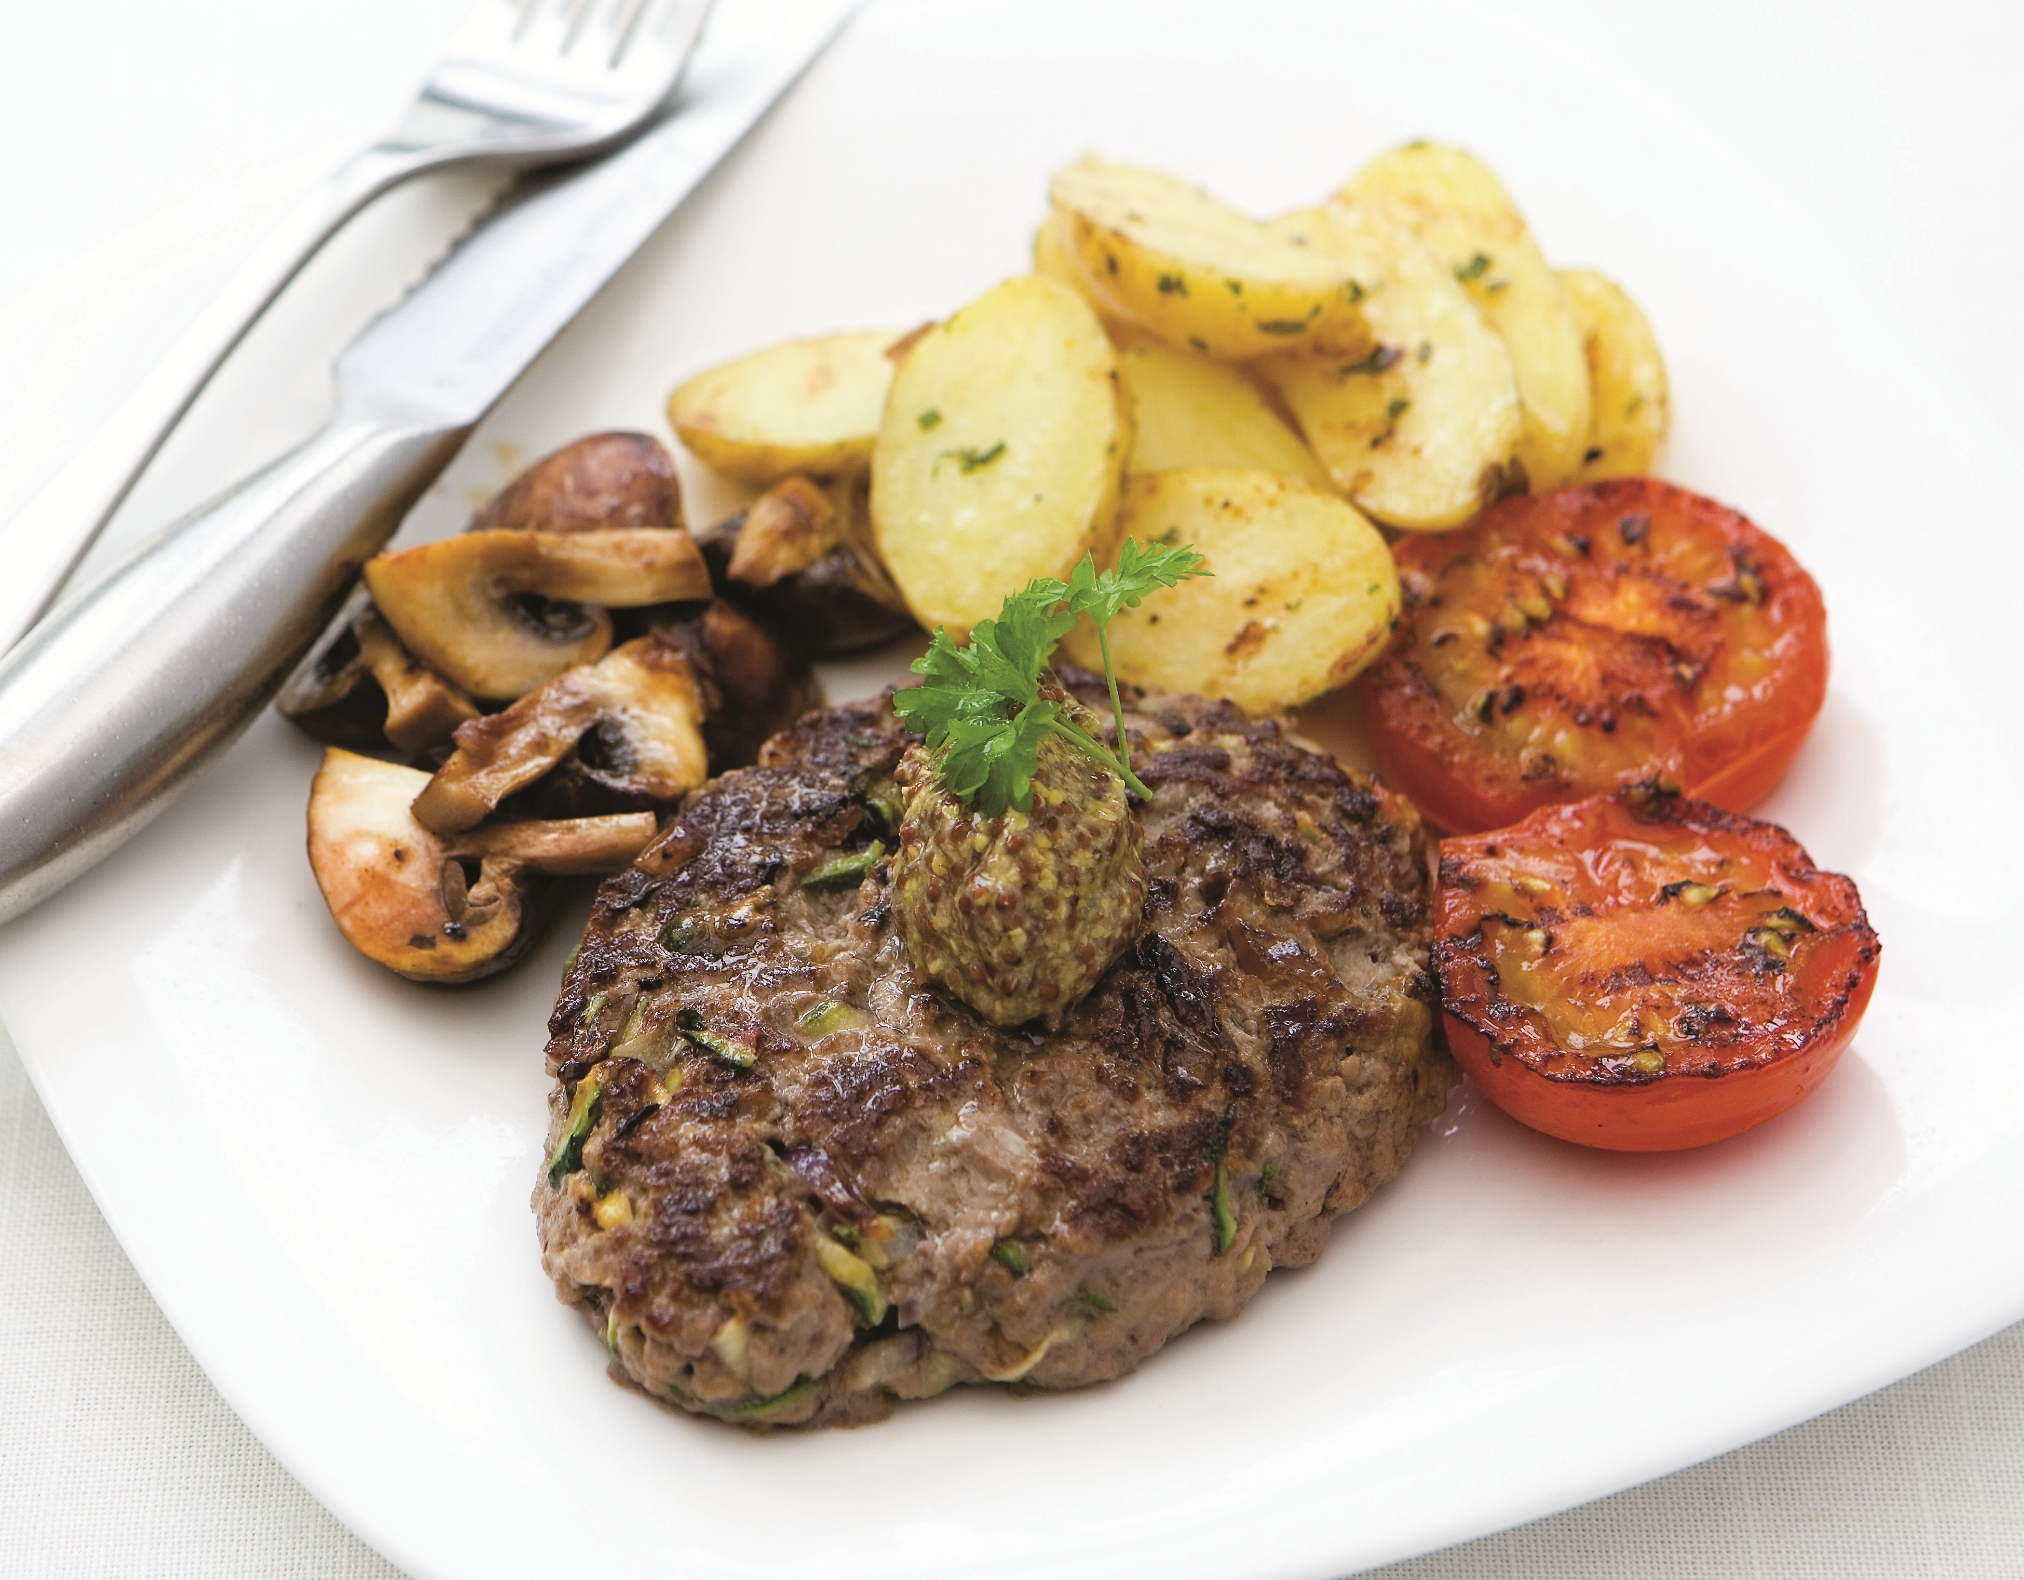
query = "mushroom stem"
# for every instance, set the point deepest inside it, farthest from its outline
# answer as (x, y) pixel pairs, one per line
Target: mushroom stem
(562, 848)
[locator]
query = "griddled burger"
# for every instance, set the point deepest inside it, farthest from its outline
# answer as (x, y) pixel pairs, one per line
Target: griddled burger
(796, 1173)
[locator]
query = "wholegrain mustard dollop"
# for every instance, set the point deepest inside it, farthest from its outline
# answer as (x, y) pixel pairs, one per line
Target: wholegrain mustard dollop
(1018, 915)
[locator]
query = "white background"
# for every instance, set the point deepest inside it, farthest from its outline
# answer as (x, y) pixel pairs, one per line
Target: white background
(1897, 128)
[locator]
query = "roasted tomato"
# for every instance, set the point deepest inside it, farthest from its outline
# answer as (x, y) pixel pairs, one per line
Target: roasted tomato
(1597, 636)
(1642, 972)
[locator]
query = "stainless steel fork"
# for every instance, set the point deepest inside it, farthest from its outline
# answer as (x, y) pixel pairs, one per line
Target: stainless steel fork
(524, 83)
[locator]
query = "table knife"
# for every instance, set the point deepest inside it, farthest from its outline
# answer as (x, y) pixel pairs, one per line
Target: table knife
(116, 698)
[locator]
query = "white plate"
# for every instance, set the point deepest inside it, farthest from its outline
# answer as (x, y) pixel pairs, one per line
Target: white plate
(322, 1172)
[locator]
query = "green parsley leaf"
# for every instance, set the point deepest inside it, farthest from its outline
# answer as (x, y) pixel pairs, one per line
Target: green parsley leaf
(970, 458)
(979, 705)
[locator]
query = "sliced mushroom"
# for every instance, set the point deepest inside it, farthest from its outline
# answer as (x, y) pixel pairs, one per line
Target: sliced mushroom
(607, 480)
(332, 693)
(810, 569)
(432, 912)
(475, 607)
(423, 710)
(752, 683)
(568, 847)
(786, 530)
(641, 705)
(360, 688)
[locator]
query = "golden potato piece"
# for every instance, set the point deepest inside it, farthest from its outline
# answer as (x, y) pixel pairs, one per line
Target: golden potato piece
(1052, 258)
(1629, 407)
(1189, 411)
(1000, 454)
(1420, 431)
(1196, 273)
(808, 406)
(1461, 210)
(1303, 593)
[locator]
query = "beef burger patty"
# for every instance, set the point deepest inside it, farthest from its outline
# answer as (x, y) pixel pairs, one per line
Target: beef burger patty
(792, 1182)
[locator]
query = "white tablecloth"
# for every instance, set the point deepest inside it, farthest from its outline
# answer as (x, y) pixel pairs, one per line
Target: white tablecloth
(1895, 124)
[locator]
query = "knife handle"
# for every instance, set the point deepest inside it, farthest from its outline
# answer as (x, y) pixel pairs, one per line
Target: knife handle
(122, 693)
(44, 542)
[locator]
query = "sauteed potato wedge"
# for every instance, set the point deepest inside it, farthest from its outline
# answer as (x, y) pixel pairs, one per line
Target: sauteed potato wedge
(1195, 272)
(1629, 406)
(1189, 411)
(1420, 431)
(1459, 208)
(807, 406)
(1000, 453)
(1301, 596)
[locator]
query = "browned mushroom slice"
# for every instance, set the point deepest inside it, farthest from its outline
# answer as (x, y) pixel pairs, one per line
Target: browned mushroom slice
(751, 682)
(642, 702)
(423, 710)
(436, 912)
(837, 600)
(572, 847)
(332, 693)
(383, 876)
(607, 480)
(786, 530)
(472, 607)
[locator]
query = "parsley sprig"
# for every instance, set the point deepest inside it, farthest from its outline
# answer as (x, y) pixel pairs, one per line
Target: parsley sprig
(980, 705)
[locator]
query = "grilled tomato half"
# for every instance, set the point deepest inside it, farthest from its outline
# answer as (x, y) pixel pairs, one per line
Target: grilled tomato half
(1643, 972)
(1598, 636)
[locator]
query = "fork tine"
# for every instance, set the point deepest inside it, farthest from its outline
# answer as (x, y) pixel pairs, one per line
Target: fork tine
(577, 13)
(667, 26)
(629, 14)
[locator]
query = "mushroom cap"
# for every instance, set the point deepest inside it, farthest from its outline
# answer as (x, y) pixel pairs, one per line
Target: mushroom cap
(753, 682)
(603, 481)
(382, 876)
(405, 898)
(801, 558)
(332, 694)
(461, 605)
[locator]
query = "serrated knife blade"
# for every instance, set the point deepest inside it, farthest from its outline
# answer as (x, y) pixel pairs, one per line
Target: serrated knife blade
(111, 703)
(456, 342)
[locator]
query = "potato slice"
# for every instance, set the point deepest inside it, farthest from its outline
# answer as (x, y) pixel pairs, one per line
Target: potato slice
(808, 406)
(1052, 258)
(1629, 406)
(1303, 595)
(1461, 210)
(1196, 273)
(1000, 454)
(1420, 431)
(1189, 411)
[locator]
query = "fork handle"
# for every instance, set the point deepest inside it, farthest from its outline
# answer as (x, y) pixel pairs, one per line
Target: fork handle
(42, 545)
(110, 704)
